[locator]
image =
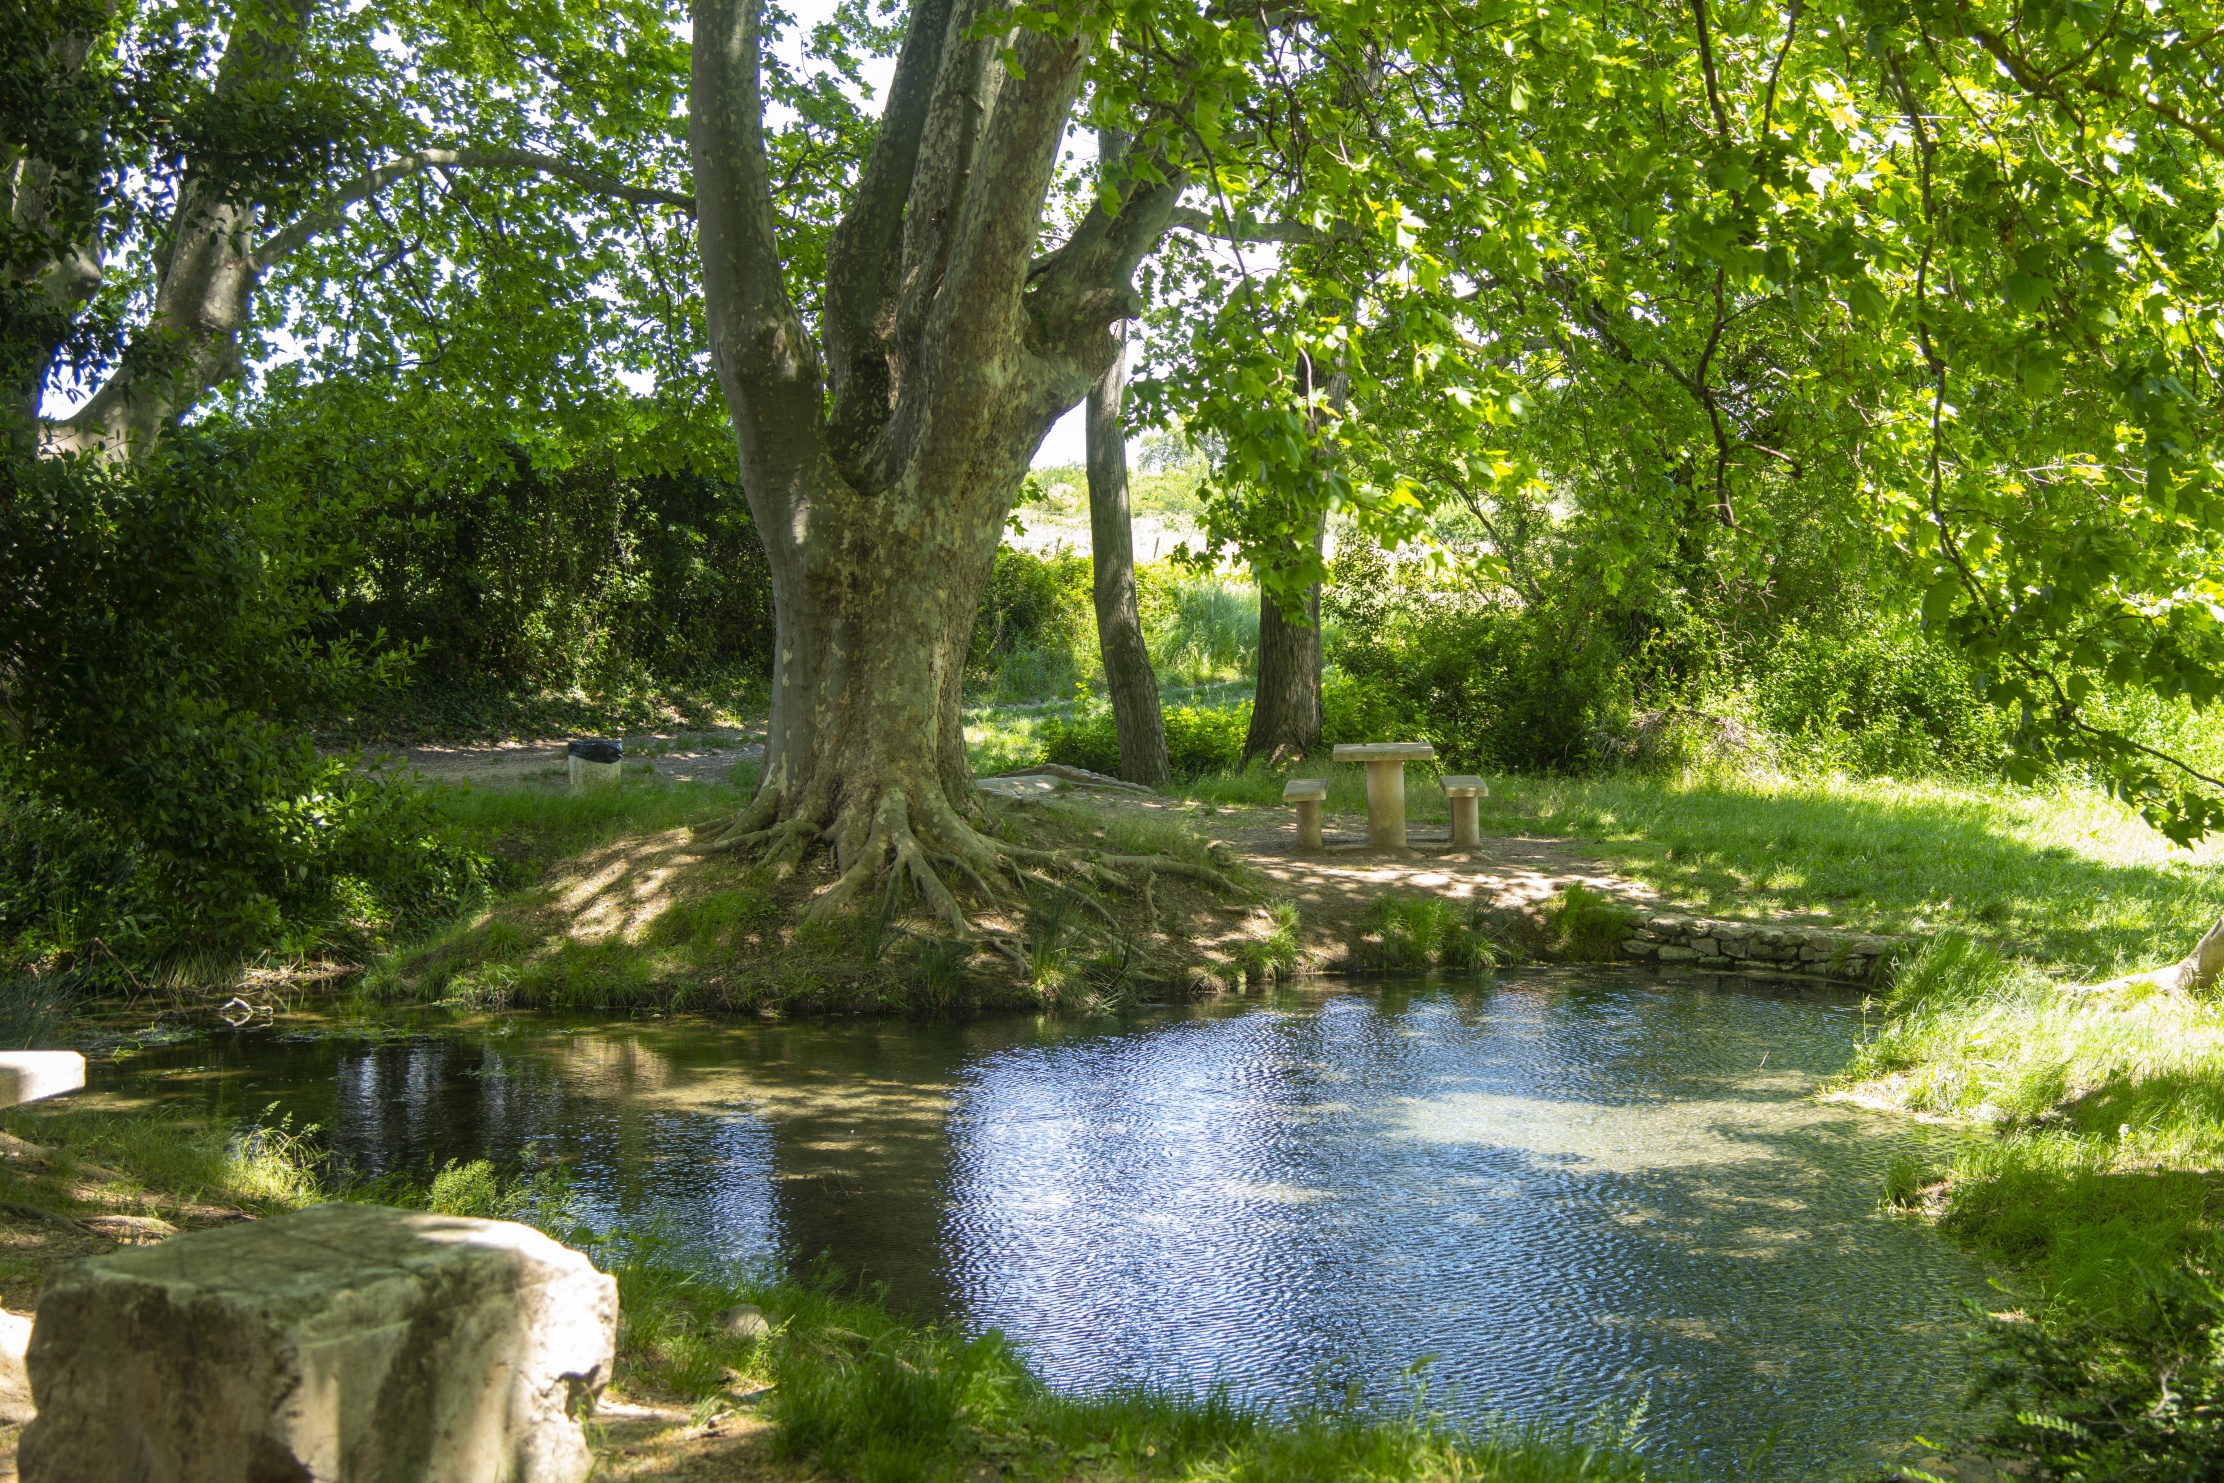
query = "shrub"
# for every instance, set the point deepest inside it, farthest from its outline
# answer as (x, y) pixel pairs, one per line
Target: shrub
(550, 578)
(1363, 710)
(1507, 688)
(154, 631)
(2115, 1395)
(1410, 933)
(1198, 628)
(1199, 739)
(1879, 701)
(1589, 925)
(1036, 635)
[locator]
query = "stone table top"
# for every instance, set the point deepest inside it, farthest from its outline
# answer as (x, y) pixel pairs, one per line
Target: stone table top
(1384, 752)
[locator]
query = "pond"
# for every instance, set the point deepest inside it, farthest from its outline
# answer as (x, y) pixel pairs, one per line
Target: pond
(1551, 1193)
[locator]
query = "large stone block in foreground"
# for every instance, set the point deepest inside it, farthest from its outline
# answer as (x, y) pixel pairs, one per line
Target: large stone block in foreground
(347, 1342)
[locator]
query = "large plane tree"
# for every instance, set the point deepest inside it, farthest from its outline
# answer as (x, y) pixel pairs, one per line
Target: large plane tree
(884, 435)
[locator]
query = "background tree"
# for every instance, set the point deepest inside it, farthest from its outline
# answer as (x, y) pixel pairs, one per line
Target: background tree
(1127, 658)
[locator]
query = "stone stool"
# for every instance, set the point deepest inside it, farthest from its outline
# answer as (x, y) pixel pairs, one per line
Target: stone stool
(594, 762)
(343, 1342)
(1463, 794)
(1307, 794)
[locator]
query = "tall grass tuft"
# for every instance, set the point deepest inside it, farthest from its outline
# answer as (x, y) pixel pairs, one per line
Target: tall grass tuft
(1410, 933)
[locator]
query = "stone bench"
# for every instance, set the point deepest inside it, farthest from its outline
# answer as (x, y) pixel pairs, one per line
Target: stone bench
(342, 1342)
(1307, 794)
(1464, 794)
(1385, 785)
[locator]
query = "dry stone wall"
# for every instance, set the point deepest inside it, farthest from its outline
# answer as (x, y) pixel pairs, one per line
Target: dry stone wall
(1719, 946)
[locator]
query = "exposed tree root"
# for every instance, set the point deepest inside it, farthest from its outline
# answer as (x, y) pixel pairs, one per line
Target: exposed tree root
(895, 840)
(2197, 971)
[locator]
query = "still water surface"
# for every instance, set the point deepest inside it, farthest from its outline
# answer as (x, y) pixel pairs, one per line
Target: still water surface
(1557, 1194)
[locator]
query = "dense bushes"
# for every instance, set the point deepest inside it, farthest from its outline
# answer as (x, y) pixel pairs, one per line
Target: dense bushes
(2132, 1395)
(157, 798)
(1199, 739)
(1493, 684)
(1036, 636)
(588, 577)
(1878, 700)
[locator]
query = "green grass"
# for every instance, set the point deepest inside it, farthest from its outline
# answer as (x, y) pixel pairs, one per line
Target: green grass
(540, 824)
(2067, 877)
(861, 1393)
(2107, 1114)
(433, 710)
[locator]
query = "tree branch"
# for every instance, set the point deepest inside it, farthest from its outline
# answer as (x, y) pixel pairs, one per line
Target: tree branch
(308, 227)
(768, 366)
(860, 260)
(1202, 223)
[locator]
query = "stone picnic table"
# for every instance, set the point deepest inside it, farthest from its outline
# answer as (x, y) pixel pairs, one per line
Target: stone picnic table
(1385, 785)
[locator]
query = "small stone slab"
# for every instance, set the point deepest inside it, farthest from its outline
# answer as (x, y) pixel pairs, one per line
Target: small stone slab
(597, 749)
(1457, 786)
(1301, 788)
(1384, 752)
(342, 1342)
(27, 1075)
(1079, 777)
(1020, 789)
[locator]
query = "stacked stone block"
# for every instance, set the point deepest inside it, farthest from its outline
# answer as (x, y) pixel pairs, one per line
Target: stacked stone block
(1701, 942)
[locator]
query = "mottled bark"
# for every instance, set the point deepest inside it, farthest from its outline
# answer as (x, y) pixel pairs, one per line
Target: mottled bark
(1286, 706)
(205, 289)
(954, 350)
(1127, 660)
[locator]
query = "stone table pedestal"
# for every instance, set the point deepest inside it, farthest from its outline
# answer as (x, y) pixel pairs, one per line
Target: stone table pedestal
(1307, 796)
(1385, 786)
(346, 1342)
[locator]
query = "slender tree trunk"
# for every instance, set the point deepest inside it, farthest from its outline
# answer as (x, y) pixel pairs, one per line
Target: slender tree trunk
(1127, 660)
(1286, 707)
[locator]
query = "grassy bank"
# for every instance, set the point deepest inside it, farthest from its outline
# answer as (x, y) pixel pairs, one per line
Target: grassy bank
(826, 1383)
(2066, 878)
(617, 903)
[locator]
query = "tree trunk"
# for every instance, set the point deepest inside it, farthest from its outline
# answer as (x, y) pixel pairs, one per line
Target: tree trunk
(880, 486)
(54, 264)
(1127, 660)
(1286, 706)
(205, 290)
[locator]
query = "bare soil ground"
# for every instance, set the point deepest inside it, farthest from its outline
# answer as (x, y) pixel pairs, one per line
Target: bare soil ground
(682, 756)
(1334, 887)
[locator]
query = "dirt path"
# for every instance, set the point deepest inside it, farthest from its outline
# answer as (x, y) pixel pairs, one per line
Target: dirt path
(1332, 889)
(682, 756)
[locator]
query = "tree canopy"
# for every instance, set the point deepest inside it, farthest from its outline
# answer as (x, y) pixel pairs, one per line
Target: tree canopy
(1939, 276)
